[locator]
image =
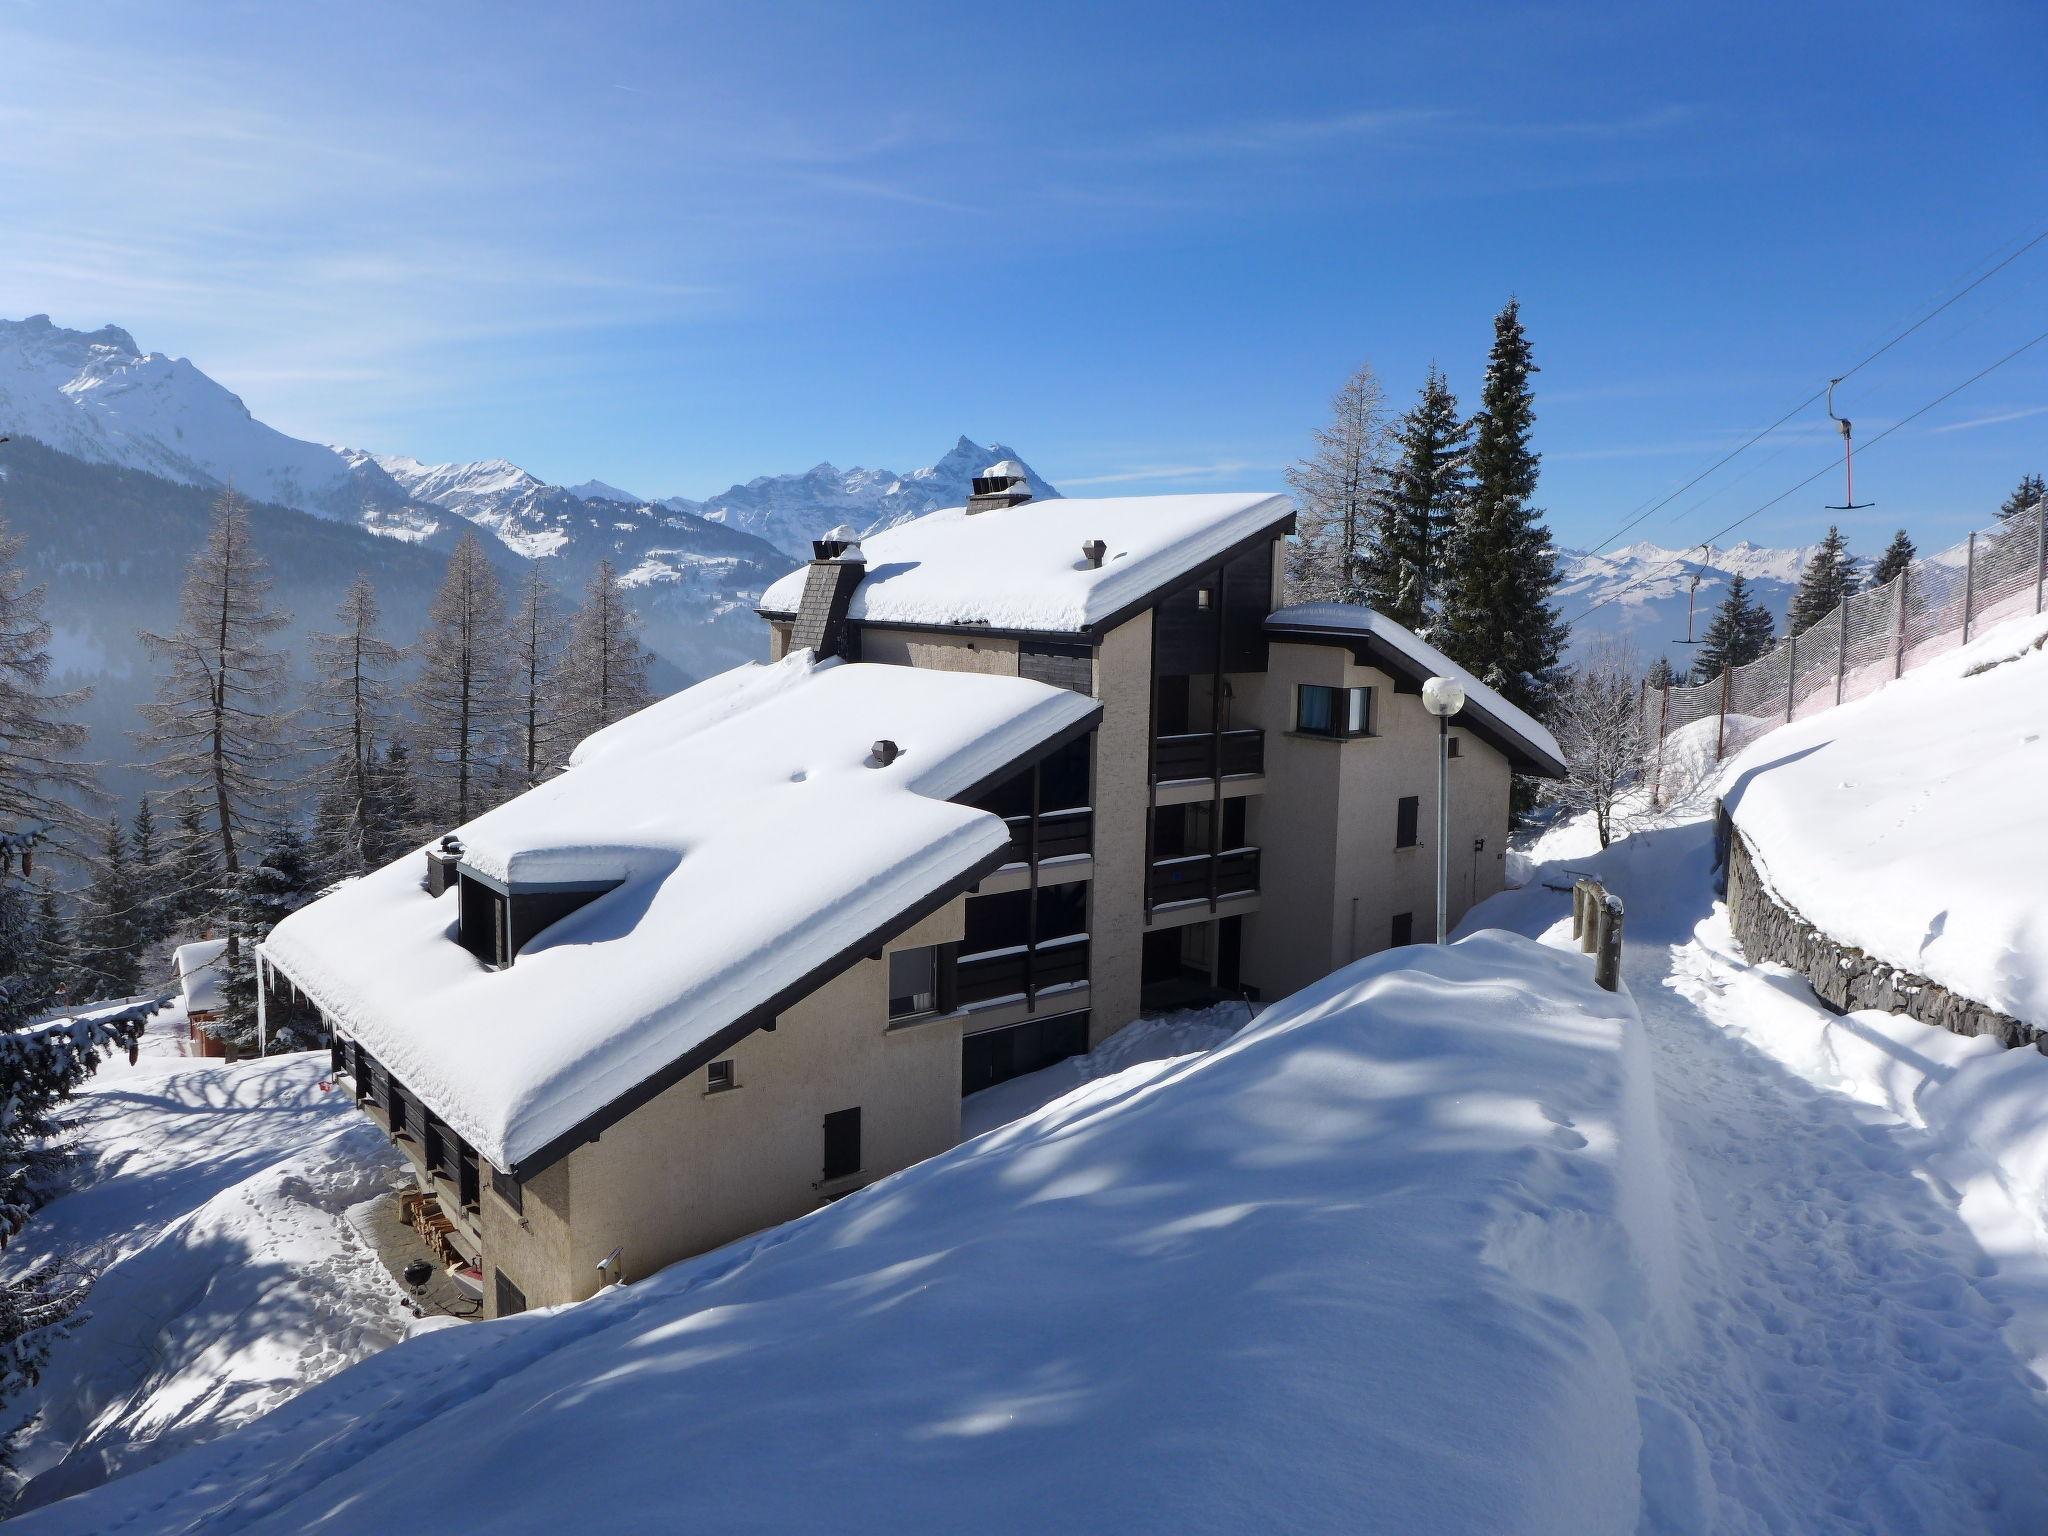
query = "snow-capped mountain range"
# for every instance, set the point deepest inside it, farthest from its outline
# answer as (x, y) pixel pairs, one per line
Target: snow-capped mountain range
(1641, 591)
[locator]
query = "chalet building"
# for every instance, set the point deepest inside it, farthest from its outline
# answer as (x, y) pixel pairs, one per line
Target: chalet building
(201, 967)
(1015, 774)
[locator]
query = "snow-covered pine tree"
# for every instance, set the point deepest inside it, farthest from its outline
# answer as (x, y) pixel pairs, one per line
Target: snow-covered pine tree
(42, 786)
(1598, 720)
(350, 707)
(2032, 488)
(604, 670)
(1417, 505)
(190, 872)
(538, 634)
(49, 972)
(1740, 632)
(109, 954)
(146, 857)
(1333, 491)
(1496, 616)
(280, 881)
(401, 824)
(1896, 557)
(1660, 675)
(1828, 578)
(462, 694)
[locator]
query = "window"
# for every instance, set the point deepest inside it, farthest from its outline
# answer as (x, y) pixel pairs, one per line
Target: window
(718, 1076)
(913, 983)
(434, 1152)
(1452, 749)
(1403, 931)
(511, 1299)
(508, 1189)
(1321, 711)
(466, 1183)
(1407, 812)
(842, 1143)
(1205, 598)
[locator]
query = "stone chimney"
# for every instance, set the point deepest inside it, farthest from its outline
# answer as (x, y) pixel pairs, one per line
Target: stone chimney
(835, 570)
(1000, 485)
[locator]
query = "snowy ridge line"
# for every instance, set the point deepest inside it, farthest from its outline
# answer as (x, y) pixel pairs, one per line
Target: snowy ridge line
(1392, 1218)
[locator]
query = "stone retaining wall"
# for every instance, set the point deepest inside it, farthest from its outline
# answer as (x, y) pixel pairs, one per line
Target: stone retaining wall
(1844, 977)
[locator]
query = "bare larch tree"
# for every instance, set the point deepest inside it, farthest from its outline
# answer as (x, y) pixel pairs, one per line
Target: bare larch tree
(350, 706)
(462, 692)
(42, 789)
(537, 638)
(1335, 488)
(604, 673)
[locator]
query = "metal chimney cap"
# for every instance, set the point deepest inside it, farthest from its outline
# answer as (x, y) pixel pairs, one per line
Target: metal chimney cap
(886, 752)
(1093, 551)
(451, 844)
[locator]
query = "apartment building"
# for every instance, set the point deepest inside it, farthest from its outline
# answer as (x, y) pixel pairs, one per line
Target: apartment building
(1015, 774)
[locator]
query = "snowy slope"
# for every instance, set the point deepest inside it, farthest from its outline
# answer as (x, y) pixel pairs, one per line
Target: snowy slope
(1912, 823)
(791, 510)
(1367, 1267)
(212, 1202)
(1643, 588)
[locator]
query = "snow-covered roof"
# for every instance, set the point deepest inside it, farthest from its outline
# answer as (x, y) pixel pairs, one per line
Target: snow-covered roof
(757, 842)
(198, 965)
(1407, 655)
(1022, 568)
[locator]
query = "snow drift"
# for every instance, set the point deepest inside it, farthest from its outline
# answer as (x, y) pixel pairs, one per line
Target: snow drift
(1368, 1266)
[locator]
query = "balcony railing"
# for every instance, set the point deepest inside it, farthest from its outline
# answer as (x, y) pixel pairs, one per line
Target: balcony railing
(1009, 972)
(1059, 833)
(1235, 872)
(1193, 755)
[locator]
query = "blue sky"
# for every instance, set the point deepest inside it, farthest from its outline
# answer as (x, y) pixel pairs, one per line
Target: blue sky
(674, 246)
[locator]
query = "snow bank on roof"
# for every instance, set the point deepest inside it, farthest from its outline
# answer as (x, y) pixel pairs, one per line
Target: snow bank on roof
(1358, 618)
(1912, 824)
(1365, 1267)
(755, 843)
(1022, 567)
(199, 970)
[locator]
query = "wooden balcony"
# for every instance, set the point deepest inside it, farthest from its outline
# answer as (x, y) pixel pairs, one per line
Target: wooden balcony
(1197, 876)
(1196, 754)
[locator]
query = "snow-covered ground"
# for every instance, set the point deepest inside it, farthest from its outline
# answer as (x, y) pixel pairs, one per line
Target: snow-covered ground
(1913, 823)
(1378, 1261)
(212, 1202)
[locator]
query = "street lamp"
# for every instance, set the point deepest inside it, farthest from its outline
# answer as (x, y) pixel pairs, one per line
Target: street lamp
(1443, 697)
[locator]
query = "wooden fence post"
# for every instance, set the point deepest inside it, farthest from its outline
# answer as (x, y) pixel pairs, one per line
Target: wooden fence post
(1721, 735)
(1899, 644)
(1607, 961)
(1969, 584)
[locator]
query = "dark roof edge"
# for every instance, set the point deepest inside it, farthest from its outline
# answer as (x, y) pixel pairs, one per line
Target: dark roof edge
(1037, 754)
(1091, 634)
(1368, 649)
(763, 1016)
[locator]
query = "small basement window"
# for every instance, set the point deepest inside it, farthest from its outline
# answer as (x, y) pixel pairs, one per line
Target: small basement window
(913, 982)
(1403, 930)
(1339, 712)
(1407, 817)
(1452, 749)
(719, 1077)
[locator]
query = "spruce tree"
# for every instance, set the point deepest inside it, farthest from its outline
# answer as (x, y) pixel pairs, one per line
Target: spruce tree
(42, 786)
(109, 948)
(1497, 619)
(462, 693)
(1416, 508)
(1740, 632)
(350, 707)
(1896, 557)
(1333, 490)
(191, 872)
(604, 670)
(1660, 674)
(537, 638)
(1828, 578)
(2031, 489)
(401, 823)
(49, 971)
(261, 894)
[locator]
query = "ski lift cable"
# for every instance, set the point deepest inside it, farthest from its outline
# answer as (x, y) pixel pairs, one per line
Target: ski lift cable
(1828, 468)
(1748, 443)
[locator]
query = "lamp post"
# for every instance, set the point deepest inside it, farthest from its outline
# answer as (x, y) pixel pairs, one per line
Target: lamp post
(1443, 697)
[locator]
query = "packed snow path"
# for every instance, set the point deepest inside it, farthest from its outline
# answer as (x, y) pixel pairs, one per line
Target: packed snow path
(1843, 1357)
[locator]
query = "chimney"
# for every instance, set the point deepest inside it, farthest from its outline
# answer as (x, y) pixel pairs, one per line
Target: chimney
(886, 752)
(1093, 551)
(441, 864)
(835, 570)
(1000, 485)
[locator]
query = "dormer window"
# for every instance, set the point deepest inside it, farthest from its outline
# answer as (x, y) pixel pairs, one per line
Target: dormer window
(498, 920)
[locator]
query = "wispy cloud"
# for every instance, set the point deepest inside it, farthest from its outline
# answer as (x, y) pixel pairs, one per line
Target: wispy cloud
(1162, 472)
(1996, 418)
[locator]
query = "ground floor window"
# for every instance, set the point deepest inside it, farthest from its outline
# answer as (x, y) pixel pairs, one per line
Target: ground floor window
(997, 1055)
(1407, 819)
(913, 982)
(1403, 930)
